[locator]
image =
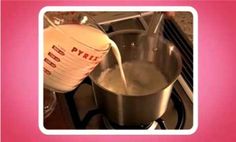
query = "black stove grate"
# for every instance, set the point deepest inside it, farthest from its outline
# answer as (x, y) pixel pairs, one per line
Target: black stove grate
(173, 33)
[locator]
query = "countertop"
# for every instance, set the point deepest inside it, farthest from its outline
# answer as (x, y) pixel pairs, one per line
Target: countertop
(185, 21)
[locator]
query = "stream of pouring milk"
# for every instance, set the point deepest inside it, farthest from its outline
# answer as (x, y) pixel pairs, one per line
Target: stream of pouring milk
(116, 52)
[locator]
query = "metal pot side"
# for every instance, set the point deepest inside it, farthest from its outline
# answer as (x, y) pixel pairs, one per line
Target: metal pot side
(143, 108)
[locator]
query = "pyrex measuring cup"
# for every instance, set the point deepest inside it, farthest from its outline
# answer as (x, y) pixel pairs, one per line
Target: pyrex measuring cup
(73, 45)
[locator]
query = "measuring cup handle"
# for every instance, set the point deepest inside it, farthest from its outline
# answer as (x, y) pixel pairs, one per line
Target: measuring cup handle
(61, 18)
(93, 21)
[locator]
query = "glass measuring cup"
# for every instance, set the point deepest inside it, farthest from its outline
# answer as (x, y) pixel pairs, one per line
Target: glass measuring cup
(73, 45)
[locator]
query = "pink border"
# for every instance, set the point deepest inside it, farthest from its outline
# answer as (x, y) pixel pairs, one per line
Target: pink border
(20, 69)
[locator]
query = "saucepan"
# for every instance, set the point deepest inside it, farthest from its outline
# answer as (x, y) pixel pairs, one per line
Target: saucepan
(137, 109)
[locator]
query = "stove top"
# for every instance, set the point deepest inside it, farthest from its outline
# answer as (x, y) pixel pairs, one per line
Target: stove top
(77, 109)
(82, 112)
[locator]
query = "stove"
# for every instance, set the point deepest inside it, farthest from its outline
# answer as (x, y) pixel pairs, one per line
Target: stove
(77, 109)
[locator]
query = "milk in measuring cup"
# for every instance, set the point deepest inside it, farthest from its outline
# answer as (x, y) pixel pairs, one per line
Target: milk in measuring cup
(71, 52)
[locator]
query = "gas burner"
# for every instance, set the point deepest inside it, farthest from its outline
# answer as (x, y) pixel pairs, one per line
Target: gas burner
(111, 125)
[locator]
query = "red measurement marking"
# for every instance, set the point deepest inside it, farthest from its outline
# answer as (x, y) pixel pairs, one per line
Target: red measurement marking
(58, 50)
(49, 62)
(46, 71)
(54, 57)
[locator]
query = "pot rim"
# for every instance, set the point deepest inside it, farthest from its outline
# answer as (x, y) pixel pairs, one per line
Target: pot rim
(153, 91)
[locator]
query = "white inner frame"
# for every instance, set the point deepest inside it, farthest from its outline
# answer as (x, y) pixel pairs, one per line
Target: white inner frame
(119, 132)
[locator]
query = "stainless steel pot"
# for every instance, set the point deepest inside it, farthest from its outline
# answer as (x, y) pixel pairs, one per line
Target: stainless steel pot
(142, 109)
